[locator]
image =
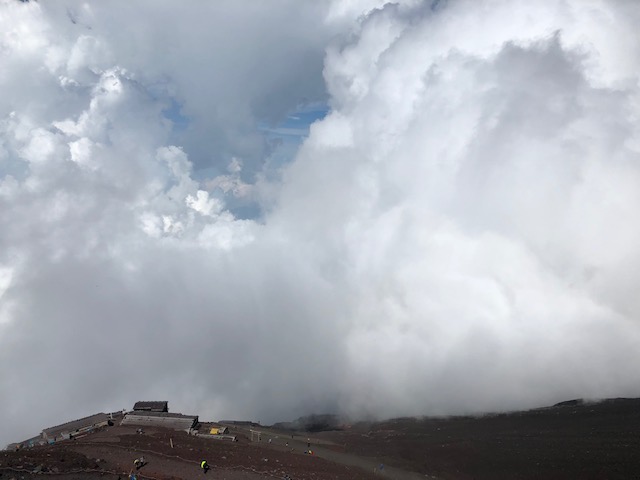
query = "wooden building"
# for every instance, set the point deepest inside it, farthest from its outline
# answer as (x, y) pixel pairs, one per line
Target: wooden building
(174, 421)
(151, 407)
(75, 427)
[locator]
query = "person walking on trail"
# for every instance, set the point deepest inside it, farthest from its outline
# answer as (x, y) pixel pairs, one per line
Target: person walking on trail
(204, 466)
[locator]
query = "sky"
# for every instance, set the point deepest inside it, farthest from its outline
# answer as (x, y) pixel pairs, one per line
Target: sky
(261, 210)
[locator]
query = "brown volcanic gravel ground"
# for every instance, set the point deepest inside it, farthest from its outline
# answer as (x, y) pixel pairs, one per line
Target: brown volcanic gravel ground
(584, 441)
(587, 441)
(109, 454)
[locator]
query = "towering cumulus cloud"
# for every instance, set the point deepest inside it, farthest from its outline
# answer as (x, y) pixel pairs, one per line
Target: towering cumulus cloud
(458, 234)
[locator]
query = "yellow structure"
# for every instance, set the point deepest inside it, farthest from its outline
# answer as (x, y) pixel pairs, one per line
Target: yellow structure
(219, 431)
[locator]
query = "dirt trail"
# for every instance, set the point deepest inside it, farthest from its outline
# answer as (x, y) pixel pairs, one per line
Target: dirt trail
(115, 449)
(325, 449)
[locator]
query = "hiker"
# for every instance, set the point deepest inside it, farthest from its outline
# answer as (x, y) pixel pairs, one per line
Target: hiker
(204, 465)
(138, 463)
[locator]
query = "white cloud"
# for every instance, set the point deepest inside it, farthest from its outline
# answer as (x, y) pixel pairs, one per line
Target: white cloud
(6, 274)
(473, 176)
(457, 234)
(203, 204)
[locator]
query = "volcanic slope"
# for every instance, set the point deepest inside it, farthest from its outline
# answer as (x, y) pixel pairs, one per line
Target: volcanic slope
(575, 440)
(109, 454)
(572, 440)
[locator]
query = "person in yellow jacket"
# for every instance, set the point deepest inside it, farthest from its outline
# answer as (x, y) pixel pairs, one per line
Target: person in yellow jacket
(204, 465)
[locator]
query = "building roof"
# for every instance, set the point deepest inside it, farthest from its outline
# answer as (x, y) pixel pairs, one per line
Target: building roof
(143, 413)
(176, 421)
(77, 424)
(152, 406)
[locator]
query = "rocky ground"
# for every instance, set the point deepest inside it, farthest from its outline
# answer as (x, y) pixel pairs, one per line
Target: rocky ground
(573, 441)
(110, 452)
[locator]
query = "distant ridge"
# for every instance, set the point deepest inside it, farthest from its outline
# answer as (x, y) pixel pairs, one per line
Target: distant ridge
(570, 403)
(314, 423)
